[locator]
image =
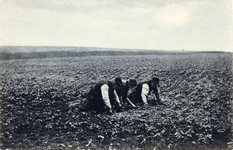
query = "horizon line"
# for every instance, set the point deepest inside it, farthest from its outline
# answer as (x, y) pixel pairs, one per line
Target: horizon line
(130, 49)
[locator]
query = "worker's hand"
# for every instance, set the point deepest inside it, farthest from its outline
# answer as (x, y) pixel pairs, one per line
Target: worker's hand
(145, 105)
(109, 111)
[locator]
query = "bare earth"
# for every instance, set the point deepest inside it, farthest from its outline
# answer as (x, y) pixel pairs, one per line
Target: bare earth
(41, 99)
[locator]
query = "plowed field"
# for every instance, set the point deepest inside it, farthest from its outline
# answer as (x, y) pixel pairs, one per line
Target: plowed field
(41, 98)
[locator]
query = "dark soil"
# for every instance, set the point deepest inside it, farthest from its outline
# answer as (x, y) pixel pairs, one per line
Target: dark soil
(41, 98)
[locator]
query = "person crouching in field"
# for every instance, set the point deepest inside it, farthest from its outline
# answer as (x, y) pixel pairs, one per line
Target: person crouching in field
(125, 90)
(103, 97)
(141, 92)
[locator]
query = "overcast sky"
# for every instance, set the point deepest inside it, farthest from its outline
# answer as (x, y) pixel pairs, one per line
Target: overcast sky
(150, 24)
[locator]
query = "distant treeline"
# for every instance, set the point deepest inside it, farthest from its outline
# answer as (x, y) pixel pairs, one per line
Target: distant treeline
(54, 54)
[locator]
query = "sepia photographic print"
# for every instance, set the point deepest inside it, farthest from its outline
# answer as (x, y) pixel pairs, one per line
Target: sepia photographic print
(116, 75)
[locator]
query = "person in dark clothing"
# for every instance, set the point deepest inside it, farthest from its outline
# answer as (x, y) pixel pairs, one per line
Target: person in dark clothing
(125, 90)
(141, 92)
(103, 97)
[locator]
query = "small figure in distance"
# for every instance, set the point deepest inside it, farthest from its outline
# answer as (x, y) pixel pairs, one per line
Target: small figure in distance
(125, 90)
(141, 92)
(103, 97)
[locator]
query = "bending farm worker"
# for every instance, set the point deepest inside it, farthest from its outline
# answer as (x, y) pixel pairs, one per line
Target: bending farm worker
(141, 92)
(125, 90)
(103, 97)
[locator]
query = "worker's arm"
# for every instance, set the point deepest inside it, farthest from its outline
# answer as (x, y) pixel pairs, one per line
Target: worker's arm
(105, 96)
(145, 91)
(117, 98)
